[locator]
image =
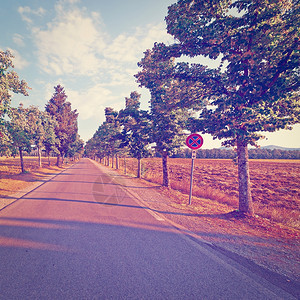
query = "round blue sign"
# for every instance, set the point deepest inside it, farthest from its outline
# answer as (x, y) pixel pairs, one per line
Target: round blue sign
(194, 141)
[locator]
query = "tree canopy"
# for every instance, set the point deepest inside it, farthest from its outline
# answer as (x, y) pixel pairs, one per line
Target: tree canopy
(136, 126)
(256, 88)
(66, 128)
(9, 82)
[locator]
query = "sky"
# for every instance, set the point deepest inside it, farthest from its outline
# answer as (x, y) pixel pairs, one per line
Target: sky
(91, 48)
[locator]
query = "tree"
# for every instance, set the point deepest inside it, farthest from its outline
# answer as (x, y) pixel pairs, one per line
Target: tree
(50, 140)
(66, 129)
(167, 117)
(90, 149)
(256, 87)
(76, 148)
(106, 140)
(20, 132)
(112, 127)
(136, 128)
(9, 82)
(41, 127)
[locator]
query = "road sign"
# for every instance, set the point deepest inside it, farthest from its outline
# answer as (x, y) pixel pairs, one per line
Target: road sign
(194, 141)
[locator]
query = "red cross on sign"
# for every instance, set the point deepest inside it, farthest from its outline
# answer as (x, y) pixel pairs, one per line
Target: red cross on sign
(194, 141)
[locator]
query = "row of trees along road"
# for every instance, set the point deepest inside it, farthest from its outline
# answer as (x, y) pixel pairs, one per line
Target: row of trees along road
(54, 129)
(131, 131)
(254, 89)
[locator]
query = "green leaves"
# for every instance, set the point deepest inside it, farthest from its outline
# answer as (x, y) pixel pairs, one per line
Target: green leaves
(136, 126)
(9, 82)
(168, 115)
(259, 44)
(66, 128)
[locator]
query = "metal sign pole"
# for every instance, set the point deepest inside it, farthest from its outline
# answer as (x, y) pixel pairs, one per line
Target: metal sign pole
(192, 175)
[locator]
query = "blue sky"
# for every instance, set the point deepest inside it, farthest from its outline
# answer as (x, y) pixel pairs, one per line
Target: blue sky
(91, 48)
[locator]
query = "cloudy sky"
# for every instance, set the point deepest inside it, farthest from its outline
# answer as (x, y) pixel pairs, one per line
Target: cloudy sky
(91, 48)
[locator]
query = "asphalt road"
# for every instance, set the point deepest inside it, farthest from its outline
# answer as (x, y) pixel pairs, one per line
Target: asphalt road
(81, 236)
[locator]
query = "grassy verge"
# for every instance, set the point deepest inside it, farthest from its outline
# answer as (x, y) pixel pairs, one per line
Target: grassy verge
(13, 180)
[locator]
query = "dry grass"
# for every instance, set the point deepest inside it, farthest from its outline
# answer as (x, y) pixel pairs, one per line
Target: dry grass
(275, 184)
(11, 178)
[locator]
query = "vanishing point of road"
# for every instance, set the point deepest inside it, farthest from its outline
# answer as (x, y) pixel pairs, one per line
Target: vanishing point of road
(81, 235)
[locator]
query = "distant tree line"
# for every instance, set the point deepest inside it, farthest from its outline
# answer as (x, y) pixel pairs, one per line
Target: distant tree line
(54, 130)
(259, 153)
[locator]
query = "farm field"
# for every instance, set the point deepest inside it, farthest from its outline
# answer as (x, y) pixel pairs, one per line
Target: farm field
(11, 178)
(275, 183)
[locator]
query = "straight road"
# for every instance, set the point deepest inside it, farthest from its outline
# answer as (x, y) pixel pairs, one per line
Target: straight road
(81, 236)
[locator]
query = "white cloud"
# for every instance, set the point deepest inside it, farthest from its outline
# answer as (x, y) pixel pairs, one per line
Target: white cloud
(74, 43)
(26, 11)
(91, 103)
(18, 61)
(70, 44)
(18, 40)
(74, 47)
(128, 48)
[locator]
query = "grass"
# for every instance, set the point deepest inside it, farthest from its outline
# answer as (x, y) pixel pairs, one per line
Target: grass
(275, 184)
(13, 180)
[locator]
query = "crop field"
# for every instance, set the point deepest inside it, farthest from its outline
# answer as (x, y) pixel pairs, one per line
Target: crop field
(275, 183)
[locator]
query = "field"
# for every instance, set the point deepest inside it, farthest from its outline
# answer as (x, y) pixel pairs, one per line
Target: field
(275, 184)
(11, 178)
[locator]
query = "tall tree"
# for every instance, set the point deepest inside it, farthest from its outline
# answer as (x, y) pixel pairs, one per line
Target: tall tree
(66, 129)
(136, 128)
(76, 148)
(50, 140)
(98, 145)
(41, 126)
(256, 87)
(106, 140)
(168, 119)
(112, 126)
(20, 132)
(9, 82)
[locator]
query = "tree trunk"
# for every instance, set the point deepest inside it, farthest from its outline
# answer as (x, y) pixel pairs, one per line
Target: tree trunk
(39, 155)
(21, 159)
(117, 161)
(125, 170)
(245, 199)
(139, 167)
(112, 161)
(57, 160)
(49, 162)
(165, 169)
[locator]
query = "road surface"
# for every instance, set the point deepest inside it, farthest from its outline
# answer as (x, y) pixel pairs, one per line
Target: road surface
(81, 236)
